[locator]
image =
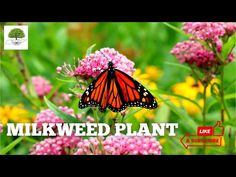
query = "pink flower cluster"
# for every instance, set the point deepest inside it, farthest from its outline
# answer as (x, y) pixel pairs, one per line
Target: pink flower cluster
(91, 146)
(95, 63)
(60, 145)
(61, 98)
(193, 52)
(124, 145)
(230, 28)
(66, 70)
(205, 30)
(209, 31)
(47, 116)
(119, 145)
(112, 145)
(41, 85)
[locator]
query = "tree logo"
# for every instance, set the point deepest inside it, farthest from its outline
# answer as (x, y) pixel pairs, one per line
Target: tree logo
(15, 37)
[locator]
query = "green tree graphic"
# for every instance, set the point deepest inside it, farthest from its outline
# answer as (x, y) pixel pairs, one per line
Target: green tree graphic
(16, 33)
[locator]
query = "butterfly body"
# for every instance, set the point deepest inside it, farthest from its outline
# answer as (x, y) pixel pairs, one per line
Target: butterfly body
(116, 90)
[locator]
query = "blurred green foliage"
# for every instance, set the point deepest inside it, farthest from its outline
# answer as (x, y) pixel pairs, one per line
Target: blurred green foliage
(52, 44)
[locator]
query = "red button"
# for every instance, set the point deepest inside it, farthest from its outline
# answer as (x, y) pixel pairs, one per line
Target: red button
(205, 131)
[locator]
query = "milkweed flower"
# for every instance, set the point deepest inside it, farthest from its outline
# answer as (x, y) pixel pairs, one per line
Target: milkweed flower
(61, 98)
(208, 31)
(119, 145)
(61, 145)
(230, 28)
(47, 116)
(90, 119)
(213, 33)
(139, 145)
(42, 86)
(192, 52)
(93, 64)
(66, 70)
(91, 146)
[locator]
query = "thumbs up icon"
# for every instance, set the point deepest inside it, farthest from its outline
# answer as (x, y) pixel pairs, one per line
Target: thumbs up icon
(218, 129)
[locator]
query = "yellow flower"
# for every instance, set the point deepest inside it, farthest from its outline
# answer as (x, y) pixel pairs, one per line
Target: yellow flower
(190, 89)
(162, 140)
(153, 72)
(187, 152)
(5, 113)
(223, 141)
(187, 88)
(191, 107)
(14, 114)
(147, 79)
(208, 90)
(144, 113)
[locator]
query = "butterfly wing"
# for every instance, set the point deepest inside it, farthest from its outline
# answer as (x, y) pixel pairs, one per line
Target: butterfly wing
(116, 91)
(97, 92)
(131, 93)
(115, 101)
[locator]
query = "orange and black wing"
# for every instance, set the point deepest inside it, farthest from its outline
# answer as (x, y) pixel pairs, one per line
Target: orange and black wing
(125, 91)
(116, 91)
(115, 101)
(96, 93)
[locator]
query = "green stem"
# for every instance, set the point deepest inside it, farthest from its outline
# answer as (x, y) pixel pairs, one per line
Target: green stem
(232, 138)
(16, 84)
(175, 28)
(224, 108)
(204, 104)
(9, 147)
(25, 73)
(204, 111)
(95, 115)
(122, 119)
(29, 139)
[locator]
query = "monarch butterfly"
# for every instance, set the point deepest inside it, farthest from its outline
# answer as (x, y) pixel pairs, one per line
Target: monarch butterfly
(116, 90)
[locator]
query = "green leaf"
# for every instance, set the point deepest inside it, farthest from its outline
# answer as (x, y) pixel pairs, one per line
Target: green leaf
(77, 90)
(178, 65)
(131, 113)
(66, 117)
(232, 83)
(162, 114)
(175, 95)
(70, 80)
(10, 67)
(11, 146)
(182, 114)
(171, 106)
(29, 139)
(231, 122)
(131, 119)
(174, 28)
(226, 97)
(89, 50)
(55, 88)
(228, 46)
